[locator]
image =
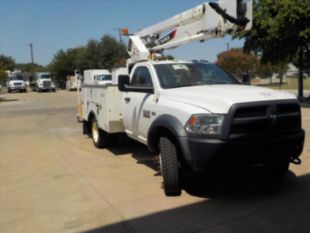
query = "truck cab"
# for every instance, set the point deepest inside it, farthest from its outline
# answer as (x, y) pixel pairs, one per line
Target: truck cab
(16, 83)
(43, 82)
(103, 79)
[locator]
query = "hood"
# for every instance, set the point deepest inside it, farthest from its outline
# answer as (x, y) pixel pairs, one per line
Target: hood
(16, 81)
(44, 80)
(102, 82)
(219, 98)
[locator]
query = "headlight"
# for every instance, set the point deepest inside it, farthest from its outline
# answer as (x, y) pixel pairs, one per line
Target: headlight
(207, 124)
(40, 84)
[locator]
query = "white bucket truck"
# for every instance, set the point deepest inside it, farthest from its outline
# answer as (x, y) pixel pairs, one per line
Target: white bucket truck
(74, 81)
(97, 77)
(192, 113)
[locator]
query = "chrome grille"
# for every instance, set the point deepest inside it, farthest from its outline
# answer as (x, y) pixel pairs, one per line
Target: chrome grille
(46, 84)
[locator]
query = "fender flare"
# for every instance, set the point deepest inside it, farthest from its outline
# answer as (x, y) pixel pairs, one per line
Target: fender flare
(87, 123)
(170, 123)
(91, 115)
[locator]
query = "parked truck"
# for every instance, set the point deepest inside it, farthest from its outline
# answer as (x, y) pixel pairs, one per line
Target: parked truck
(42, 81)
(16, 83)
(74, 81)
(193, 114)
(97, 77)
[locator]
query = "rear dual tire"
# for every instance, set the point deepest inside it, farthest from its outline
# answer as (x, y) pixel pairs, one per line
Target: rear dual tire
(101, 139)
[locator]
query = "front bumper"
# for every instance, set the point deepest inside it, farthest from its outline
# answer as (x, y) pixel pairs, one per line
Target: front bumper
(46, 88)
(17, 88)
(203, 153)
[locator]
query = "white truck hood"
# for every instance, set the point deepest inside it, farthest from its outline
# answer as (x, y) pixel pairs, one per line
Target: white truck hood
(219, 98)
(46, 79)
(16, 81)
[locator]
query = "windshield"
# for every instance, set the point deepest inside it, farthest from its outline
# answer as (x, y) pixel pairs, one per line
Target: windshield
(16, 78)
(104, 77)
(191, 74)
(45, 76)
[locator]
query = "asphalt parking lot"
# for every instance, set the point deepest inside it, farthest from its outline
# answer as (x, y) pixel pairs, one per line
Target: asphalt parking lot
(52, 179)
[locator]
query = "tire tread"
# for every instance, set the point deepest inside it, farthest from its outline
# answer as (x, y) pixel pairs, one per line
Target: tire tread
(170, 167)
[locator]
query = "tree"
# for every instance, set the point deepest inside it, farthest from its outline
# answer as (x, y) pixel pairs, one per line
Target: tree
(236, 62)
(59, 67)
(106, 53)
(65, 62)
(27, 67)
(3, 76)
(266, 70)
(281, 32)
(6, 63)
(165, 57)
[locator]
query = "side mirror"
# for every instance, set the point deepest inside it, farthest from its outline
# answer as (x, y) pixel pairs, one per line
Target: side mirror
(123, 80)
(123, 86)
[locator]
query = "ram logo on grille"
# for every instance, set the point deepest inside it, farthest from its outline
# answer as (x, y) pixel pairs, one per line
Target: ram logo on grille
(265, 120)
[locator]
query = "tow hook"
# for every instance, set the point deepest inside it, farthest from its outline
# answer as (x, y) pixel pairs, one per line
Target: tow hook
(296, 161)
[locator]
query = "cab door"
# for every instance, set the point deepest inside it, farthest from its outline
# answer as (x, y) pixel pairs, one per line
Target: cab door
(137, 106)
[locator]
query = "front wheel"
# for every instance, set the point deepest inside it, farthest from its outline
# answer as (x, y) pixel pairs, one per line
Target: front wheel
(278, 166)
(169, 166)
(100, 138)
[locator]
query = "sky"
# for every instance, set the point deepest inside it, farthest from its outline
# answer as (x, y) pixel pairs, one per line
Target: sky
(51, 25)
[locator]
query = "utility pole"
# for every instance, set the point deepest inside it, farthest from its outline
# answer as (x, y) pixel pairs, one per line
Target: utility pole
(120, 35)
(32, 63)
(301, 73)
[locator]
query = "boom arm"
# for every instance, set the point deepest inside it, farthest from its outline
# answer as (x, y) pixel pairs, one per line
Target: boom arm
(206, 21)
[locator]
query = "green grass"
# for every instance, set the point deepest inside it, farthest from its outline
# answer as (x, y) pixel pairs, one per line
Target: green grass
(288, 84)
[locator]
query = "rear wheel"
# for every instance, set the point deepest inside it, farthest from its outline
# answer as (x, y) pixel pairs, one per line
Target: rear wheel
(169, 166)
(100, 137)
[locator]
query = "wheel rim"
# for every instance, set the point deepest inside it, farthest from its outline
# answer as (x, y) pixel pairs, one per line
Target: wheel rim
(95, 132)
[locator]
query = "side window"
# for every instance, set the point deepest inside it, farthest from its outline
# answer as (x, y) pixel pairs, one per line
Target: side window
(142, 77)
